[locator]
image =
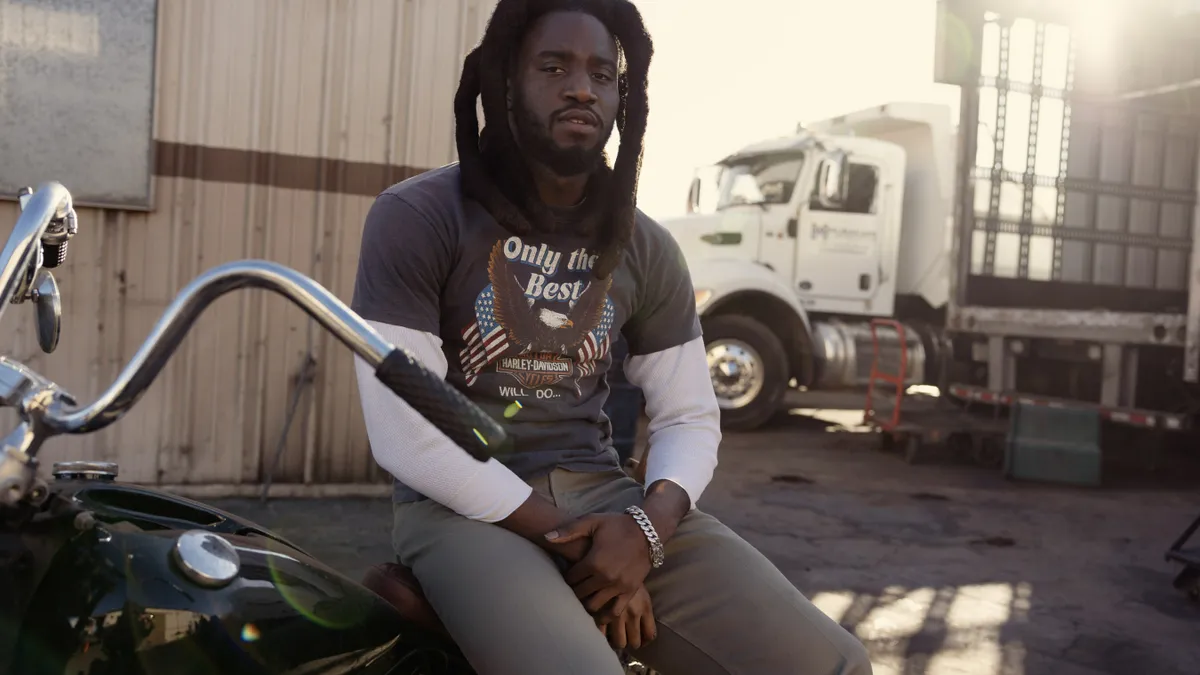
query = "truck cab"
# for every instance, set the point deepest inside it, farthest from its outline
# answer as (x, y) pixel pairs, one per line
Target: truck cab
(795, 243)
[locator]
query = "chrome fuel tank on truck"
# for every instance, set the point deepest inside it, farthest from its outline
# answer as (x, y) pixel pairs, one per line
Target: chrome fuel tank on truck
(845, 351)
(127, 580)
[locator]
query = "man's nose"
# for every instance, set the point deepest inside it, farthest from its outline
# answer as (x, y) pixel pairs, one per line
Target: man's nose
(579, 88)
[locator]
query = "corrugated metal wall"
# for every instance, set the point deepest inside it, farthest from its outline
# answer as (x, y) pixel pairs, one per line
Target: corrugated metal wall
(367, 81)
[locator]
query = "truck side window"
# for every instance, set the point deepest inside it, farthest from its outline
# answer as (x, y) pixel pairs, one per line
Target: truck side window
(861, 197)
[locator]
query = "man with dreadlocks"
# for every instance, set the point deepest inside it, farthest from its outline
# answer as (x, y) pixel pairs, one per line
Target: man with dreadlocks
(511, 273)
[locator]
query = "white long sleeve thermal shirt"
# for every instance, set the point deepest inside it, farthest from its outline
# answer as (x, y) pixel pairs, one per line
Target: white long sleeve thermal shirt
(684, 430)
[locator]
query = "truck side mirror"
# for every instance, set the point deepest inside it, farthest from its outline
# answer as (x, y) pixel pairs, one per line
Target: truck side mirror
(832, 180)
(694, 196)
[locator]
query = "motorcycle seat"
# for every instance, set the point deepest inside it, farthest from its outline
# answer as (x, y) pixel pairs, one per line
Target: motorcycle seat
(399, 586)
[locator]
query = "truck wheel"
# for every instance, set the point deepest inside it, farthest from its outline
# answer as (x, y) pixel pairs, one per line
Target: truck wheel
(748, 368)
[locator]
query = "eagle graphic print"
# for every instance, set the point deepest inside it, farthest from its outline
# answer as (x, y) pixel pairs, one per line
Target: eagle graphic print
(542, 319)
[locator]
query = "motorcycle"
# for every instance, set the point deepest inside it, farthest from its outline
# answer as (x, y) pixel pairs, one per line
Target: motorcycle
(102, 577)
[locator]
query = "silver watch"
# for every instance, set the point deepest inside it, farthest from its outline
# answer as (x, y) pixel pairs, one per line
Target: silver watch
(656, 548)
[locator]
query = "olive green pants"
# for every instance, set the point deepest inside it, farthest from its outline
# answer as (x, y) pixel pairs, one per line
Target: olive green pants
(721, 606)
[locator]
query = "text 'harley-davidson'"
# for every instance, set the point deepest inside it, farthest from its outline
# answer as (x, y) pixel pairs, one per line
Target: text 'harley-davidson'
(99, 577)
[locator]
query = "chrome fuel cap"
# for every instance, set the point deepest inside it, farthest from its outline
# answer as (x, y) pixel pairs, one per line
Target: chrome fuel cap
(206, 559)
(82, 470)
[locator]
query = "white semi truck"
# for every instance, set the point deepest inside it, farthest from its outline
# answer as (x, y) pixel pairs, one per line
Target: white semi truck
(1041, 251)
(795, 243)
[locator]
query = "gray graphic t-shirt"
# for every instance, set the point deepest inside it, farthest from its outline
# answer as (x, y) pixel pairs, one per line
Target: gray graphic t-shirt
(525, 328)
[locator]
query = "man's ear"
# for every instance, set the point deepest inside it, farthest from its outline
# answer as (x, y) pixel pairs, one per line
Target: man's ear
(508, 93)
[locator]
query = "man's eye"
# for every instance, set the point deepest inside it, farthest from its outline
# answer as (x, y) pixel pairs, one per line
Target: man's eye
(603, 77)
(551, 69)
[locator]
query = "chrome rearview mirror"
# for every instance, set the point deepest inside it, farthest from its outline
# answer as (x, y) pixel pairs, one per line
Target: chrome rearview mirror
(48, 307)
(38, 243)
(832, 179)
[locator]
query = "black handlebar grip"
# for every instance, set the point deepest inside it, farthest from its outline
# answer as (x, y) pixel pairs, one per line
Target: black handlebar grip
(444, 406)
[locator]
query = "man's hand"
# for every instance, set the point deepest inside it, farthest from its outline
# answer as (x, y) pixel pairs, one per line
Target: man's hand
(618, 559)
(537, 516)
(616, 564)
(635, 627)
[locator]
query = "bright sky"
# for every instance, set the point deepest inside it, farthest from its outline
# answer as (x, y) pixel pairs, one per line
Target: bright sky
(727, 73)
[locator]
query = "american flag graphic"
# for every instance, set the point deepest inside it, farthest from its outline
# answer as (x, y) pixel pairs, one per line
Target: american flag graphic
(596, 344)
(486, 339)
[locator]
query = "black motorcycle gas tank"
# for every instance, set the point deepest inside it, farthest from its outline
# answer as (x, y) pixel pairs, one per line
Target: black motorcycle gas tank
(114, 602)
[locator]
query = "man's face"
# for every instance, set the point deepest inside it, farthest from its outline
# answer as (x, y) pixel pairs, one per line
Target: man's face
(565, 95)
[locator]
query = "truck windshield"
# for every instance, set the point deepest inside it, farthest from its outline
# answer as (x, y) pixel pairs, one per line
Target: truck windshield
(760, 179)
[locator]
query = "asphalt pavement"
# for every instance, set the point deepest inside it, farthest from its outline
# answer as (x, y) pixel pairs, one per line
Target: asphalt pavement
(940, 568)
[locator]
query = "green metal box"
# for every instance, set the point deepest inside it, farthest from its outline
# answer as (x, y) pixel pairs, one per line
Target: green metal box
(1054, 445)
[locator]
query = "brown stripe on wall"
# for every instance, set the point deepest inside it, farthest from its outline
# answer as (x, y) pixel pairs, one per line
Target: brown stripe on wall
(298, 172)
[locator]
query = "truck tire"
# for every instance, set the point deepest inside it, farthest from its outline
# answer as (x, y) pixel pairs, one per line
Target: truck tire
(748, 367)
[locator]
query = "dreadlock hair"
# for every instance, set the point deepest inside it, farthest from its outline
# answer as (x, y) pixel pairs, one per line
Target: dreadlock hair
(493, 169)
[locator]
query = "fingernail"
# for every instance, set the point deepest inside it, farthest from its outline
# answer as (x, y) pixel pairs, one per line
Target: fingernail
(552, 534)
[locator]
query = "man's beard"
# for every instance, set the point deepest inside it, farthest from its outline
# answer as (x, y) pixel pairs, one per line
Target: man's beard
(535, 140)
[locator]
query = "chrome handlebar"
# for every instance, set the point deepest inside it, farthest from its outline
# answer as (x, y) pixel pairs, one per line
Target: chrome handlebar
(47, 411)
(47, 217)
(179, 317)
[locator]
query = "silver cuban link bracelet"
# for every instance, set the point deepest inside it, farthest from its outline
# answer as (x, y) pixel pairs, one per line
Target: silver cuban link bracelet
(656, 548)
